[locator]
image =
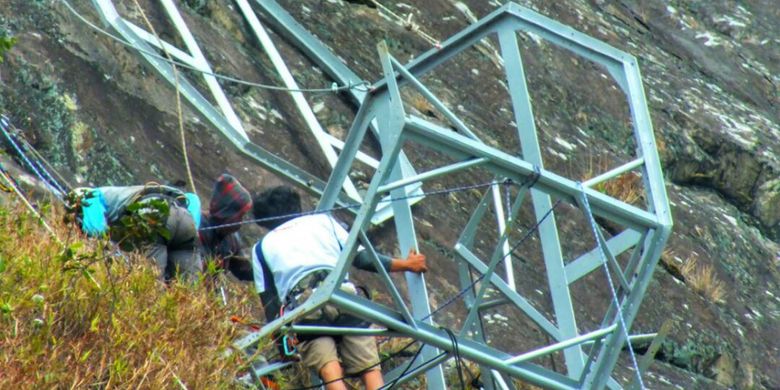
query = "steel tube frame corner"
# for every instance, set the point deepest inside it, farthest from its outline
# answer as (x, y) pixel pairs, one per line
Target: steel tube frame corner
(382, 110)
(646, 232)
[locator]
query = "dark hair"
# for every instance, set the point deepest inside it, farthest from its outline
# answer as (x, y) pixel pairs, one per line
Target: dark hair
(278, 201)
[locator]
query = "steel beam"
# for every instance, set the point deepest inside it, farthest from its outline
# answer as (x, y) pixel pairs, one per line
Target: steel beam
(614, 172)
(223, 116)
(307, 113)
(588, 262)
(285, 25)
(438, 337)
(404, 221)
(382, 110)
(519, 170)
(562, 345)
(478, 331)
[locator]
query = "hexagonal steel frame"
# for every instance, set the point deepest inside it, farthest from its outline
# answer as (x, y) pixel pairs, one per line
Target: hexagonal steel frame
(644, 237)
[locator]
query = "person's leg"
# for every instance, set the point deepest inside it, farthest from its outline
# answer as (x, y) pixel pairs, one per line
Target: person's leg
(373, 379)
(158, 251)
(183, 252)
(360, 355)
(187, 263)
(321, 355)
(332, 375)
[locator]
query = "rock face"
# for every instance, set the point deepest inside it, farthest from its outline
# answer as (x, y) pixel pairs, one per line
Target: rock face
(711, 73)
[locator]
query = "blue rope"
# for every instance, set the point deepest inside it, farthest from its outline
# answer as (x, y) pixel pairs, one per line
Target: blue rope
(9, 176)
(49, 178)
(53, 185)
(42, 163)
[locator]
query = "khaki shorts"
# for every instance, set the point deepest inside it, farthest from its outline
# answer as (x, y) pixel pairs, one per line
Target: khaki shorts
(357, 353)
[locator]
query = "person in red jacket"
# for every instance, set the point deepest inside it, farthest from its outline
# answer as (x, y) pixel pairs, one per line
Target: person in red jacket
(219, 227)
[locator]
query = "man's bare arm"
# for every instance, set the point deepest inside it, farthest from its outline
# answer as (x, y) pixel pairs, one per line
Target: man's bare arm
(414, 262)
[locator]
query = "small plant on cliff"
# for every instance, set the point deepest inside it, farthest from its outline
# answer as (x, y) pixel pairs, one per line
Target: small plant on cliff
(420, 103)
(6, 43)
(703, 279)
(141, 221)
(199, 6)
(698, 354)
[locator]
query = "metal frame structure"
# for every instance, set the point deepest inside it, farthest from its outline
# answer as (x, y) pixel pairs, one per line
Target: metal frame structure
(590, 355)
(223, 117)
(646, 230)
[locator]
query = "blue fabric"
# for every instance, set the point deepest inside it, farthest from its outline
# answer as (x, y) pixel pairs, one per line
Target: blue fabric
(93, 214)
(193, 206)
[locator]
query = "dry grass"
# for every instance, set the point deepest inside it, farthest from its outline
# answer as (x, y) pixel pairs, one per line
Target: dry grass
(626, 187)
(520, 385)
(78, 317)
(419, 102)
(703, 279)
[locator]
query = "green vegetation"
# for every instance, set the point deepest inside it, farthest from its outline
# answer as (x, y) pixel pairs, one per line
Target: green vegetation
(80, 315)
(39, 105)
(48, 113)
(199, 6)
(6, 43)
(141, 221)
(698, 354)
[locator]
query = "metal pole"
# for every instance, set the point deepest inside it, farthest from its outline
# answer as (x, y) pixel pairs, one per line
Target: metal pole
(404, 222)
(300, 101)
(562, 345)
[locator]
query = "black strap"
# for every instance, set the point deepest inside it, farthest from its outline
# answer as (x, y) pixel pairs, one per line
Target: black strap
(333, 229)
(179, 201)
(270, 297)
(365, 291)
(311, 281)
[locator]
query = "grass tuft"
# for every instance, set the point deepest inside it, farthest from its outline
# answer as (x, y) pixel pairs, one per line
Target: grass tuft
(420, 103)
(703, 279)
(83, 316)
(626, 187)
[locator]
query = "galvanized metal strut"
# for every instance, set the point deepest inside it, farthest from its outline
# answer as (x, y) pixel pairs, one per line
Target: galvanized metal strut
(590, 355)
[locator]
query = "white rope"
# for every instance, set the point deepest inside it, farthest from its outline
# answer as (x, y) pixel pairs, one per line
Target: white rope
(30, 206)
(611, 284)
(363, 86)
